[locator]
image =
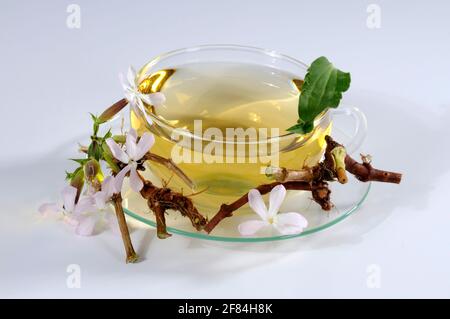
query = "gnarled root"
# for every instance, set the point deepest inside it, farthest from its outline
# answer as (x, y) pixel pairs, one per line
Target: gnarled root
(159, 200)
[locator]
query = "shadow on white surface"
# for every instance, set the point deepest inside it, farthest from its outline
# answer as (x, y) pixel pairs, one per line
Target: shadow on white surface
(399, 141)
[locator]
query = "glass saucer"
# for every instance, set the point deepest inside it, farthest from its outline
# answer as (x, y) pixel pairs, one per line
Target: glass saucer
(346, 199)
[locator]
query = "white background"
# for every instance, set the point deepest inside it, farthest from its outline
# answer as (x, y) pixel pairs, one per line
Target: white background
(52, 76)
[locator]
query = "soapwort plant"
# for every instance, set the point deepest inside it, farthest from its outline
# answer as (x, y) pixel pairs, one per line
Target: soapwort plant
(95, 186)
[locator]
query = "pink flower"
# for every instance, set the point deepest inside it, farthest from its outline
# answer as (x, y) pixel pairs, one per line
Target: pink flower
(90, 213)
(134, 151)
(136, 98)
(108, 189)
(285, 223)
(74, 213)
(102, 201)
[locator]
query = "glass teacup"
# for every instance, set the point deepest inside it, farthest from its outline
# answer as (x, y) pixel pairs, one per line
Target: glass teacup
(248, 92)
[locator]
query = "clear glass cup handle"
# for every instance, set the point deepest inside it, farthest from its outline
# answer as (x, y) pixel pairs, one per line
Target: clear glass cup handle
(360, 131)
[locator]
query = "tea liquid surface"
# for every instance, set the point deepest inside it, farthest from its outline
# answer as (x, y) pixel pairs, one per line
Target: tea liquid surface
(227, 95)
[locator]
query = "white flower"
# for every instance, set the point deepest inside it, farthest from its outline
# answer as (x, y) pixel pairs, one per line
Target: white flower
(74, 213)
(285, 223)
(136, 98)
(133, 153)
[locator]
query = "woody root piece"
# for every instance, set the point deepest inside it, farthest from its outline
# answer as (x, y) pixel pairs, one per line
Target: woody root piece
(334, 167)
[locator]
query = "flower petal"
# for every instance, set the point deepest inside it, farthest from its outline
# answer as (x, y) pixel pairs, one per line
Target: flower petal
(156, 99)
(131, 77)
(49, 209)
(133, 134)
(130, 144)
(118, 180)
(148, 118)
(256, 202)
(136, 183)
(85, 204)
(276, 198)
(146, 98)
(100, 199)
(109, 186)
(89, 190)
(130, 96)
(290, 223)
(124, 83)
(71, 220)
(145, 143)
(141, 108)
(86, 225)
(117, 151)
(69, 193)
(251, 227)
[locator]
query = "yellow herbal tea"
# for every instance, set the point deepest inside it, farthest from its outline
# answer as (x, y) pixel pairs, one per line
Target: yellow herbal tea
(227, 96)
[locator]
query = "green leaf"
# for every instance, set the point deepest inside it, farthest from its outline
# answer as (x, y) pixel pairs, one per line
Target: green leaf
(96, 124)
(322, 88)
(95, 151)
(93, 117)
(70, 176)
(302, 128)
(107, 135)
(80, 161)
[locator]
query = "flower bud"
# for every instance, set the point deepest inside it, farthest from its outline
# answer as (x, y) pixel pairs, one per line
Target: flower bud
(92, 170)
(339, 153)
(77, 181)
(110, 112)
(108, 157)
(119, 139)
